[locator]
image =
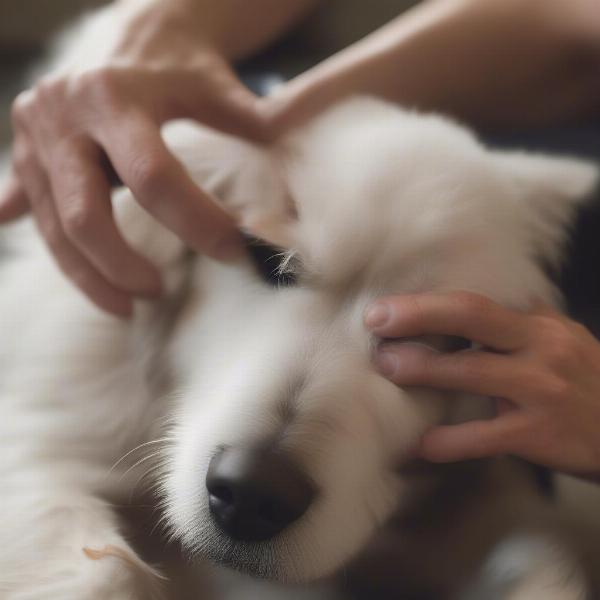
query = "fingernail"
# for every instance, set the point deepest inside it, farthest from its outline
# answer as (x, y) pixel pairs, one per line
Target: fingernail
(377, 315)
(387, 363)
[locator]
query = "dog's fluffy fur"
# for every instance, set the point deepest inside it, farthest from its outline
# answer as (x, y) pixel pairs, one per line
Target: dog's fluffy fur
(368, 199)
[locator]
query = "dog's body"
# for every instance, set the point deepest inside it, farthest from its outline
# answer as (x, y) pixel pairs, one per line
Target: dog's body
(371, 200)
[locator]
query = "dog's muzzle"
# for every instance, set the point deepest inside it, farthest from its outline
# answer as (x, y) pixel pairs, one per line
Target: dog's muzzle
(254, 494)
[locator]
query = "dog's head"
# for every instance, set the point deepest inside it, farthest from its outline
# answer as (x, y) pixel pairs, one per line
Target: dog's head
(288, 446)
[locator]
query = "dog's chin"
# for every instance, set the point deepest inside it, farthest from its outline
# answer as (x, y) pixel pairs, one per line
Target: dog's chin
(255, 560)
(281, 559)
(262, 560)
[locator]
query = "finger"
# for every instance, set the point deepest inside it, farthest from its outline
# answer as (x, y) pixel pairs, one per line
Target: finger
(221, 102)
(13, 201)
(83, 203)
(503, 406)
(461, 314)
(474, 372)
(542, 309)
(163, 187)
(475, 439)
(73, 265)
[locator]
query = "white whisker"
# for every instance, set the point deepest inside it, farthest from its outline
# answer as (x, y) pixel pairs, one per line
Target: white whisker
(145, 444)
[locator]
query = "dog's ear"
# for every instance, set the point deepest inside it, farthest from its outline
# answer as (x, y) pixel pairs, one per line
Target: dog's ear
(258, 195)
(274, 221)
(253, 187)
(546, 179)
(277, 233)
(548, 190)
(247, 179)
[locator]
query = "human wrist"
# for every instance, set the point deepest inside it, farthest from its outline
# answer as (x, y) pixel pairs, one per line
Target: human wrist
(157, 33)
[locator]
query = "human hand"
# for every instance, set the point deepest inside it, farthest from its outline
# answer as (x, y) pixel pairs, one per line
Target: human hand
(543, 368)
(440, 56)
(73, 130)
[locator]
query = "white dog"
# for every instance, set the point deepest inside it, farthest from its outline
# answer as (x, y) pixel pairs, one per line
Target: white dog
(276, 447)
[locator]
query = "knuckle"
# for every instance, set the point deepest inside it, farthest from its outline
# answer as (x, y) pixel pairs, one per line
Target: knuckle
(550, 387)
(550, 327)
(49, 87)
(99, 85)
(471, 303)
(78, 220)
(559, 390)
(558, 344)
(147, 174)
(579, 330)
(559, 355)
(22, 106)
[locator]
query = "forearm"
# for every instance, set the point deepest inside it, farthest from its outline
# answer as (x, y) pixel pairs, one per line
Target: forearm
(234, 28)
(492, 62)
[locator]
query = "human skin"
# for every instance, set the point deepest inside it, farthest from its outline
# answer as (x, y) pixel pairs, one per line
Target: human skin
(75, 131)
(543, 369)
(173, 60)
(495, 63)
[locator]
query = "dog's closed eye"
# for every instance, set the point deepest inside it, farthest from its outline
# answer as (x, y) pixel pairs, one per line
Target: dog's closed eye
(273, 264)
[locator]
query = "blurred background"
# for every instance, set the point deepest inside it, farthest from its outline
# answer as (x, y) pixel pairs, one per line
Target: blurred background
(26, 26)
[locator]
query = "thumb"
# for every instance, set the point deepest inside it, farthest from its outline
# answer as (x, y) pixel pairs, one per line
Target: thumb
(218, 99)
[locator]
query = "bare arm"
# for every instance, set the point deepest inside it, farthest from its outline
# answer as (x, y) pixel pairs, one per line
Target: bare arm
(491, 62)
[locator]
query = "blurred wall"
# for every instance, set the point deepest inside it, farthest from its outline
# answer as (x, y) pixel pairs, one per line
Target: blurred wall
(338, 23)
(24, 24)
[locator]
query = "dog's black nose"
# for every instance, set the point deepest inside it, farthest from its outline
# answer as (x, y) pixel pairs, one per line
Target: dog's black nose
(255, 494)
